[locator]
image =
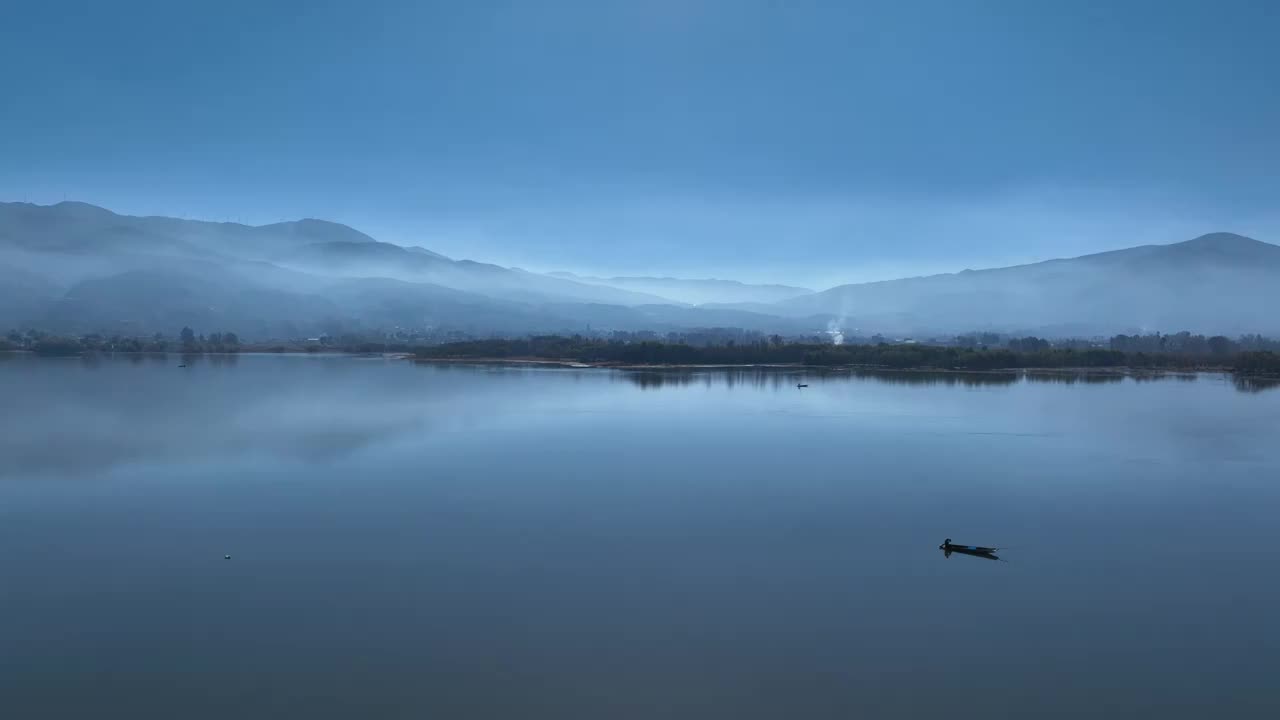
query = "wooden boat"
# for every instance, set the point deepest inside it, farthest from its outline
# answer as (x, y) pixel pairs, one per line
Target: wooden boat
(947, 545)
(984, 555)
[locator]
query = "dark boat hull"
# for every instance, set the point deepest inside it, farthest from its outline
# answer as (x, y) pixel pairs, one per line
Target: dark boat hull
(967, 548)
(971, 553)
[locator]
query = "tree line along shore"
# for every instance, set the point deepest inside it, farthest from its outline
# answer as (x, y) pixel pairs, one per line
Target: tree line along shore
(885, 355)
(1253, 355)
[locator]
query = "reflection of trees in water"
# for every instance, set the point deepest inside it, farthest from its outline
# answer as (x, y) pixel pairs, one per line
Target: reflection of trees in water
(729, 377)
(788, 378)
(93, 360)
(648, 380)
(780, 378)
(1083, 378)
(1247, 384)
(156, 358)
(908, 377)
(984, 379)
(214, 359)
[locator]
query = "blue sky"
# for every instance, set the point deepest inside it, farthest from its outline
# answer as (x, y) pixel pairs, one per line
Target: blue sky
(808, 142)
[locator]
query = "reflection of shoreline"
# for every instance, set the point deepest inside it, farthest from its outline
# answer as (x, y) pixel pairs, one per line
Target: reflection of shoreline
(1254, 383)
(1079, 374)
(1245, 382)
(783, 378)
(654, 376)
(1121, 371)
(780, 378)
(606, 365)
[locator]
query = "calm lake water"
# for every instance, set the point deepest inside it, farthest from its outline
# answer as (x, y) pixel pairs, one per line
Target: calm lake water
(415, 541)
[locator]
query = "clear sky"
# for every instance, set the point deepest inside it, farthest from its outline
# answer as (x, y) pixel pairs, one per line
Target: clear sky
(808, 142)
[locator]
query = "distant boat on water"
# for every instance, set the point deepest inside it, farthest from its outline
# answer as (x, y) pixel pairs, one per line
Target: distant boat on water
(975, 550)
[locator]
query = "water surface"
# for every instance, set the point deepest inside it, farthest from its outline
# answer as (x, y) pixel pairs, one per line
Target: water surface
(432, 541)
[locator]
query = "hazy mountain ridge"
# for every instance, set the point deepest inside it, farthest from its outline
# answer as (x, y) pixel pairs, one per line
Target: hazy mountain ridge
(1219, 282)
(695, 291)
(75, 227)
(142, 301)
(378, 259)
(74, 267)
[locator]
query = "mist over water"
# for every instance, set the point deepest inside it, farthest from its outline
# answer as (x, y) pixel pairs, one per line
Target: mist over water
(467, 541)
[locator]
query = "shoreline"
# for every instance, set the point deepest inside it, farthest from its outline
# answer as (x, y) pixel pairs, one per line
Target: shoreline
(566, 363)
(1124, 371)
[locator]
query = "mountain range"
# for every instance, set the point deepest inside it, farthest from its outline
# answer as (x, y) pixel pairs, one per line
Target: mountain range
(695, 292)
(1216, 283)
(75, 268)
